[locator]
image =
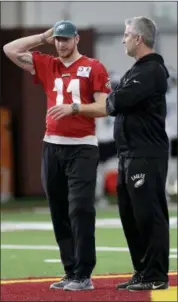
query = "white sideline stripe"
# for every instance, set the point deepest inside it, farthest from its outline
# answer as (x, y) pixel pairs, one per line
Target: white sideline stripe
(52, 260)
(55, 248)
(173, 256)
(59, 260)
(9, 226)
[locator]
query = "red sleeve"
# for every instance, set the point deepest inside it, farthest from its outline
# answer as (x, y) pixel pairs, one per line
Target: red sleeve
(42, 65)
(100, 79)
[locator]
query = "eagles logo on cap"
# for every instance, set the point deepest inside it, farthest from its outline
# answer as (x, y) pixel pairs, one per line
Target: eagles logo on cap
(65, 29)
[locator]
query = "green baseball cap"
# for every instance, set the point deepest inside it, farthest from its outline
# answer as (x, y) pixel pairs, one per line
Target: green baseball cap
(65, 29)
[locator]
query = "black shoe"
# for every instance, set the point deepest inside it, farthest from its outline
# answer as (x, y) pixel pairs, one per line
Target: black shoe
(136, 278)
(63, 282)
(148, 286)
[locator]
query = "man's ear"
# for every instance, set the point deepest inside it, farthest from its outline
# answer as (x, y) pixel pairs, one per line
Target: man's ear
(139, 39)
(77, 39)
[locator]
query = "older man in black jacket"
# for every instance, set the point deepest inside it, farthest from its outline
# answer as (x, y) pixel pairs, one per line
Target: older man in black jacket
(139, 105)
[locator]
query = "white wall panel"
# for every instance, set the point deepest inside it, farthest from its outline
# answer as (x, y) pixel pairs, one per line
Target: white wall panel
(10, 14)
(106, 13)
(52, 12)
(168, 48)
(31, 13)
(110, 51)
(84, 14)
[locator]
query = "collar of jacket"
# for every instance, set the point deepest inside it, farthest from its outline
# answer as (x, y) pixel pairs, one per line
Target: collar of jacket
(152, 57)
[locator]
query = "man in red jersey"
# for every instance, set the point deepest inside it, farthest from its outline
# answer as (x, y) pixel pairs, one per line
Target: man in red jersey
(76, 88)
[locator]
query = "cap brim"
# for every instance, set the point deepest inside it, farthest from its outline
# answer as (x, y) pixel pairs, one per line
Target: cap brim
(63, 35)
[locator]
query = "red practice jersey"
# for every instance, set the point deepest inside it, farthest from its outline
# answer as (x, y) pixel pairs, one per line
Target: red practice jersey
(66, 85)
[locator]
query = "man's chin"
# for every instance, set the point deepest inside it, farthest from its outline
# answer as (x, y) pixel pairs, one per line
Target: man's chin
(64, 56)
(129, 53)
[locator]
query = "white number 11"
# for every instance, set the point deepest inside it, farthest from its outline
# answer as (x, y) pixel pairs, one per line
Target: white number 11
(73, 87)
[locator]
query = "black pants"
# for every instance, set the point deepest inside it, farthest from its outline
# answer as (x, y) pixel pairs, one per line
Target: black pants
(144, 214)
(69, 179)
(107, 150)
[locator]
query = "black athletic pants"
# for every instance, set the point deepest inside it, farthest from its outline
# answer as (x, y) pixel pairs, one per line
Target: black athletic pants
(144, 214)
(69, 178)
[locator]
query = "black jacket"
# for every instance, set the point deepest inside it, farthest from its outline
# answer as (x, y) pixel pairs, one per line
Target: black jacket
(139, 105)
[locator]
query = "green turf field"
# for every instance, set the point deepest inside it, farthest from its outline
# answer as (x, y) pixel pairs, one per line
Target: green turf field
(27, 252)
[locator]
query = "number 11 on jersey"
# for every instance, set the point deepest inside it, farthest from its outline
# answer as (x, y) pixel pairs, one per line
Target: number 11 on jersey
(73, 88)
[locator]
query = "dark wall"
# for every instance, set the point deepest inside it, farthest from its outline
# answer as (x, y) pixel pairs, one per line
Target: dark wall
(27, 103)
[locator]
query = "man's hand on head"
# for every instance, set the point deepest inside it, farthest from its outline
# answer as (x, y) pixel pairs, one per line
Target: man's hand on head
(47, 36)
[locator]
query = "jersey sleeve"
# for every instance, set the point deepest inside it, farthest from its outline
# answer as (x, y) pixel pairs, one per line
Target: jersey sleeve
(42, 64)
(100, 80)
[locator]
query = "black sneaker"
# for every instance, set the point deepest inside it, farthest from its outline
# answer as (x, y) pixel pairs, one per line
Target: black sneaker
(148, 286)
(63, 282)
(136, 278)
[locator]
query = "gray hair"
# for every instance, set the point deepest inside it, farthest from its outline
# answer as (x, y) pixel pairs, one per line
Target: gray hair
(145, 27)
